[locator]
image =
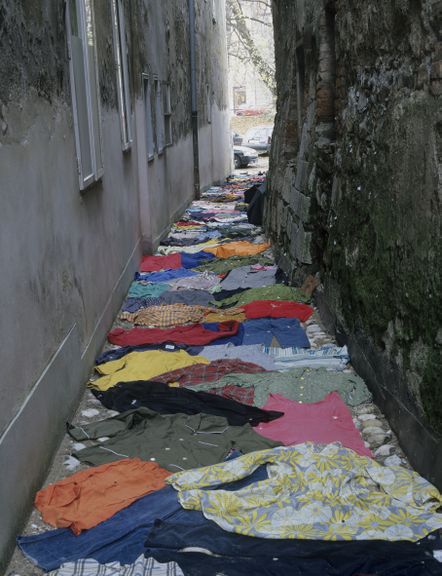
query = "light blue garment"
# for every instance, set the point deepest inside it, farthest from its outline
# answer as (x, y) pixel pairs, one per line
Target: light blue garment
(165, 276)
(329, 356)
(252, 353)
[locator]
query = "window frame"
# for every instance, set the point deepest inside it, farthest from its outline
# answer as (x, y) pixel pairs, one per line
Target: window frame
(167, 113)
(159, 117)
(94, 130)
(149, 122)
(122, 73)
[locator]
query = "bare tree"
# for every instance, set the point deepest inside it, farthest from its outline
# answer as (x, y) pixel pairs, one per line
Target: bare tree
(241, 42)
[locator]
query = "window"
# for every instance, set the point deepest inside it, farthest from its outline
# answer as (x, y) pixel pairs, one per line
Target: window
(85, 89)
(167, 114)
(208, 104)
(122, 68)
(150, 146)
(159, 118)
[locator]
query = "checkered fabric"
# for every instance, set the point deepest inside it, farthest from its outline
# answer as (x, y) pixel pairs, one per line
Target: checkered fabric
(238, 393)
(141, 567)
(166, 315)
(199, 373)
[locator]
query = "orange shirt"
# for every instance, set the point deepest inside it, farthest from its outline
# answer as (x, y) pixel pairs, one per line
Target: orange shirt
(91, 496)
(240, 248)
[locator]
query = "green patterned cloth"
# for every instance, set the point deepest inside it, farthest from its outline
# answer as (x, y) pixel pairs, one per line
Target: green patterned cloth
(275, 292)
(223, 266)
(301, 384)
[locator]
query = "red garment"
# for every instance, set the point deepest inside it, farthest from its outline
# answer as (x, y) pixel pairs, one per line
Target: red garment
(278, 309)
(321, 422)
(91, 496)
(194, 334)
(157, 263)
(198, 373)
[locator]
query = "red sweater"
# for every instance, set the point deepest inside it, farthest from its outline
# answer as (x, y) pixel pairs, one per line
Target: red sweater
(278, 309)
(195, 334)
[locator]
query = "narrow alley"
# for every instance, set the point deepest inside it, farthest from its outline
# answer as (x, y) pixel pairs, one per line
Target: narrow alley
(220, 237)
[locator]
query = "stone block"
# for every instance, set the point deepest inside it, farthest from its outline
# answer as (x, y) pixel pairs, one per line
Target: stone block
(301, 180)
(300, 204)
(436, 70)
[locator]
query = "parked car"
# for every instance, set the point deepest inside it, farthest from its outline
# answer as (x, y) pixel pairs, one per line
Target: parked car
(244, 156)
(250, 111)
(237, 139)
(259, 138)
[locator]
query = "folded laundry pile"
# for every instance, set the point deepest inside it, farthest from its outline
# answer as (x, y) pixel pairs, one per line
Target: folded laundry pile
(224, 439)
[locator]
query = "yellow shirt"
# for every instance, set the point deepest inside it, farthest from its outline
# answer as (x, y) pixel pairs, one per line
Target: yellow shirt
(142, 366)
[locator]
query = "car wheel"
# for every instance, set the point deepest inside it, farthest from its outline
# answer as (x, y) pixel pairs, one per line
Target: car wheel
(237, 161)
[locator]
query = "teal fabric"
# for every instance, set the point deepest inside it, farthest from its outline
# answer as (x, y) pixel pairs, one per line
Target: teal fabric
(301, 384)
(142, 290)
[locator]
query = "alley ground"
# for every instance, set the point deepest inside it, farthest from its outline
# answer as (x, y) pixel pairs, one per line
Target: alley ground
(367, 418)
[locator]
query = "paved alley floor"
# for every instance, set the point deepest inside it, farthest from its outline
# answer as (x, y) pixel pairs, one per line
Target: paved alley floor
(221, 256)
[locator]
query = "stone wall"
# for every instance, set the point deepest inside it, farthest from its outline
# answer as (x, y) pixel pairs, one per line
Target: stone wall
(355, 189)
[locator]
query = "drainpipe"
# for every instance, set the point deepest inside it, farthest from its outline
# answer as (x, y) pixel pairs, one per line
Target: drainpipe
(194, 98)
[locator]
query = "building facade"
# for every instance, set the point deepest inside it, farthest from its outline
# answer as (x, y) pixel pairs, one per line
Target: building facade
(355, 190)
(105, 108)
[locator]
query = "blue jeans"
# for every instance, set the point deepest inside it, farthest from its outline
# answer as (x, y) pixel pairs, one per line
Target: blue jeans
(288, 332)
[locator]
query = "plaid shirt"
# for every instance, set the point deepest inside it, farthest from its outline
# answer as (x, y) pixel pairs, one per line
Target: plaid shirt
(141, 567)
(166, 315)
(238, 393)
(199, 373)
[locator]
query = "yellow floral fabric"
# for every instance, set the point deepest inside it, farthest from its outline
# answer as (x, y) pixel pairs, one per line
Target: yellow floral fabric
(314, 492)
(142, 366)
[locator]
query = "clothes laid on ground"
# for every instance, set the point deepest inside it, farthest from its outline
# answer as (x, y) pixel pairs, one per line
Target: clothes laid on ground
(192, 260)
(166, 315)
(142, 366)
(224, 315)
(88, 497)
(146, 290)
(323, 422)
(276, 292)
(193, 375)
(301, 384)
(253, 353)
(317, 493)
(240, 248)
(141, 567)
(224, 266)
(122, 537)
(119, 352)
(161, 398)
(135, 304)
(203, 549)
(277, 309)
(195, 334)
(287, 331)
(328, 356)
(238, 393)
(165, 276)
(202, 281)
(249, 277)
(197, 297)
(157, 263)
(194, 249)
(174, 441)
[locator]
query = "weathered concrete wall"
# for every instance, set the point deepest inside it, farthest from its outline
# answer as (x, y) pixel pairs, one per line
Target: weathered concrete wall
(355, 179)
(67, 257)
(167, 181)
